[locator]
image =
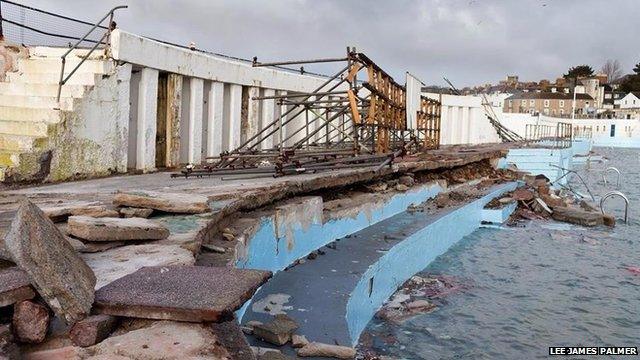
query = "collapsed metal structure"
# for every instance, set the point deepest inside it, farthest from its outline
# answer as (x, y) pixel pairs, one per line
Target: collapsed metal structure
(356, 118)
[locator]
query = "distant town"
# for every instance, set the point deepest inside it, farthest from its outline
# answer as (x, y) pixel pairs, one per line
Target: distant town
(580, 93)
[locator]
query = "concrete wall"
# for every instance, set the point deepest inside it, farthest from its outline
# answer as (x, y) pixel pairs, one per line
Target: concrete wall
(464, 120)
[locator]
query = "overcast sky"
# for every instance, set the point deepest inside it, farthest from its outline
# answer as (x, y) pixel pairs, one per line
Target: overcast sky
(470, 41)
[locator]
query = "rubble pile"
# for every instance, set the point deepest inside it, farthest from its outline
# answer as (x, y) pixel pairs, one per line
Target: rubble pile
(538, 201)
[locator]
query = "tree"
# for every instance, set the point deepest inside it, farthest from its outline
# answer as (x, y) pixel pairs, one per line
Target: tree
(612, 69)
(577, 72)
(632, 81)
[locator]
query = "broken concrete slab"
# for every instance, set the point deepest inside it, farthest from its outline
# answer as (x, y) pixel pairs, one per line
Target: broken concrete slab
(181, 293)
(316, 349)
(61, 212)
(164, 340)
(167, 202)
(128, 212)
(278, 331)
(113, 264)
(76, 244)
(298, 341)
(14, 286)
(54, 268)
(92, 330)
(522, 194)
(577, 216)
(30, 322)
(116, 229)
(230, 336)
(93, 247)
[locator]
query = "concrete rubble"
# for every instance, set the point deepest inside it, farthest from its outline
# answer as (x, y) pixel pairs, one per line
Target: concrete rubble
(278, 331)
(159, 293)
(30, 321)
(92, 330)
(116, 229)
(56, 271)
(315, 349)
(167, 202)
(14, 286)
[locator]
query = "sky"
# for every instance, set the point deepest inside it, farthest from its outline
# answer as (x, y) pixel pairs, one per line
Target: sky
(471, 42)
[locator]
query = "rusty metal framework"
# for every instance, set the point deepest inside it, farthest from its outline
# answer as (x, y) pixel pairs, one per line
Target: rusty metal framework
(357, 117)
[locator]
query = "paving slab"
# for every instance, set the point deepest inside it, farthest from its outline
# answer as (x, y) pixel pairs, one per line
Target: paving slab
(181, 293)
(178, 203)
(14, 286)
(54, 268)
(115, 263)
(116, 229)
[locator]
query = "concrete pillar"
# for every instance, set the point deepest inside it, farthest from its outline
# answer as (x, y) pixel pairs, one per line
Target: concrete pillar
(253, 114)
(268, 115)
(214, 119)
(196, 100)
(174, 118)
(146, 120)
(464, 126)
(281, 133)
(235, 116)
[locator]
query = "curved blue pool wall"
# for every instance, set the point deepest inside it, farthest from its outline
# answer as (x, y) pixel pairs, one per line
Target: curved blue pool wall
(410, 256)
(540, 160)
(297, 228)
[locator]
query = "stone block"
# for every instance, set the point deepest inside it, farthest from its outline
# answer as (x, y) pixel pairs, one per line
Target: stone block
(54, 268)
(316, 349)
(30, 322)
(14, 286)
(116, 229)
(181, 293)
(92, 330)
(278, 331)
(577, 216)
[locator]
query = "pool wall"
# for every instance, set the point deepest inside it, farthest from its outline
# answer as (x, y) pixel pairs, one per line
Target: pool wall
(410, 256)
(541, 161)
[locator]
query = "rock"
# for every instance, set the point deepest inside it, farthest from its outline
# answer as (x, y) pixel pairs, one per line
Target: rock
(577, 216)
(588, 206)
(419, 305)
(95, 211)
(76, 244)
(14, 286)
(261, 351)
(163, 340)
(609, 220)
(54, 268)
(129, 212)
(180, 293)
(298, 341)
(274, 355)
(505, 200)
(407, 180)
(92, 330)
(30, 322)
(8, 349)
(522, 194)
(93, 247)
(552, 200)
(327, 350)
(443, 199)
(213, 248)
(167, 202)
(278, 331)
(116, 229)
(228, 236)
(230, 336)
(541, 207)
(402, 187)
(63, 353)
(115, 263)
(378, 187)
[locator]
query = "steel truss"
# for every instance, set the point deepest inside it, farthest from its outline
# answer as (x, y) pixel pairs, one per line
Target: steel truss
(357, 117)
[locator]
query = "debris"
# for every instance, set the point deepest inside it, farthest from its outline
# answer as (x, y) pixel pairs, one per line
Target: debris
(129, 212)
(442, 199)
(92, 330)
(609, 220)
(229, 336)
(273, 355)
(181, 293)
(213, 248)
(163, 340)
(541, 207)
(76, 244)
(378, 187)
(116, 229)
(420, 305)
(522, 194)
(278, 331)
(228, 236)
(407, 180)
(14, 286)
(298, 341)
(8, 349)
(30, 322)
(167, 202)
(54, 268)
(402, 187)
(113, 264)
(577, 216)
(327, 350)
(94, 247)
(65, 353)
(635, 270)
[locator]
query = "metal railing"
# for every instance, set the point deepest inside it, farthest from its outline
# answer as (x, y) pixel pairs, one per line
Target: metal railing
(107, 36)
(619, 194)
(608, 170)
(558, 136)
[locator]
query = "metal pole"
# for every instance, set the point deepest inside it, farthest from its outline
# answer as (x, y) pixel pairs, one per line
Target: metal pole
(1, 19)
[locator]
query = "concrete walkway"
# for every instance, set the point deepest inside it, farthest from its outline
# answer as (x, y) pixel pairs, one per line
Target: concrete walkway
(333, 296)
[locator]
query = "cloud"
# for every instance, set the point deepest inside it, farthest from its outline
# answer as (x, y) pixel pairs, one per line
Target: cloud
(469, 41)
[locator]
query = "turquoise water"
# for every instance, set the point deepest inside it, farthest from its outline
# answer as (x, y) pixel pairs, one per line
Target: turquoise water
(529, 288)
